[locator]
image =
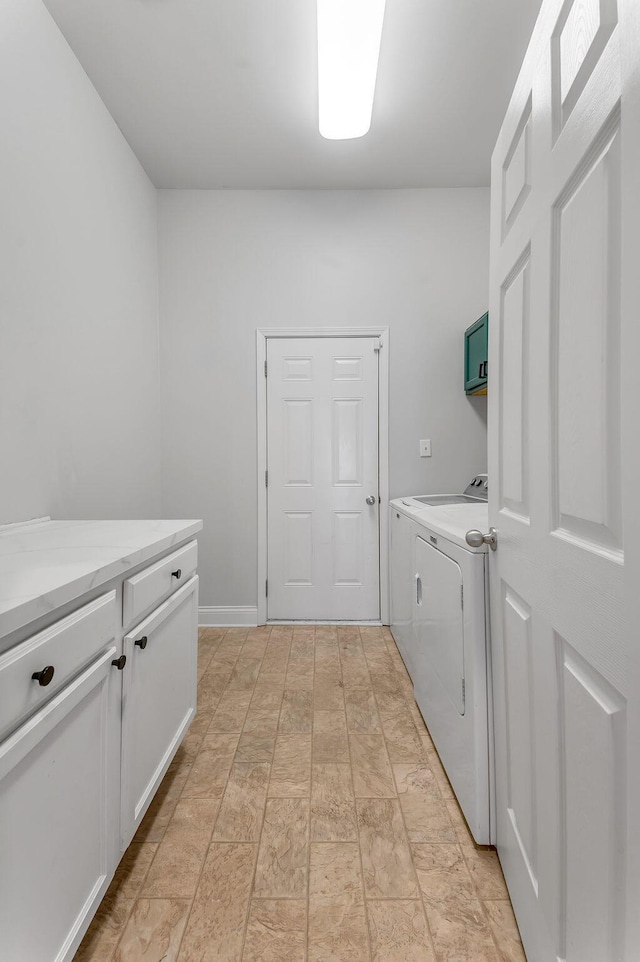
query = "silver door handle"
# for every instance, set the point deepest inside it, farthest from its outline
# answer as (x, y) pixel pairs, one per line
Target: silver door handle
(371, 499)
(418, 590)
(476, 538)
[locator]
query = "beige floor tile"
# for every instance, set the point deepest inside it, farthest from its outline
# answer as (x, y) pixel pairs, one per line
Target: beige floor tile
(237, 633)
(210, 769)
(262, 720)
(398, 931)
(460, 931)
(242, 807)
(133, 868)
(281, 871)
(425, 813)
(390, 702)
(333, 809)
(267, 698)
(328, 694)
(291, 768)
(177, 863)
(337, 932)
(158, 815)
(296, 714)
(254, 647)
(372, 776)
(362, 713)
(276, 931)
(403, 743)
(231, 712)
(386, 858)
(335, 871)
(245, 673)
(349, 633)
(304, 633)
(255, 747)
(326, 634)
(505, 929)
(210, 688)
(442, 872)
(337, 924)
(154, 931)
(443, 782)
(200, 725)
(330, 737)
(215, 928)
(105, 930)
(385, 682)
(300, 677)
(486, 873)
(460, 826)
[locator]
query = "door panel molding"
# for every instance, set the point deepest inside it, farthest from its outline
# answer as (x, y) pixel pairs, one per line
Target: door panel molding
(262, 337)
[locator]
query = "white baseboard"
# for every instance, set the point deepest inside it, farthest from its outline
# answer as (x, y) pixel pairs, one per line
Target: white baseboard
(223, 617)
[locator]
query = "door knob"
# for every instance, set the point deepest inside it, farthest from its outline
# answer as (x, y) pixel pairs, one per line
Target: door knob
(476, 538)
(45, 676)
(141, 643)
(177, 574)
(371, 499)
(120, 662)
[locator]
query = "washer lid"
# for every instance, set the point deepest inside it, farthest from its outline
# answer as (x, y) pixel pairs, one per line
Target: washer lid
(451, 521)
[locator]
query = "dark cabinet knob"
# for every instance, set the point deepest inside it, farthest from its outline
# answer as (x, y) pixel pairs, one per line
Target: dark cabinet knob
(120, 662)
(177, 574)
(44, 677)
(141, 643)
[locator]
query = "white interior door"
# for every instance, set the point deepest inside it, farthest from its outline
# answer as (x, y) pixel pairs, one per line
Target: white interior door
(563, 653)
(322, 462)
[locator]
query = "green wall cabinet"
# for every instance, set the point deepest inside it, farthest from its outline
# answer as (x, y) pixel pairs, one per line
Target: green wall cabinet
(476, 349)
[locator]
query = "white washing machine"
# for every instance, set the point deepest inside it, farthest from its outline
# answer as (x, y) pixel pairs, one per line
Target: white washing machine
(439, 619)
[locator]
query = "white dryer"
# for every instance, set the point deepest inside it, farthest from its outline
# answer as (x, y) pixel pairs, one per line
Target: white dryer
(439, 605)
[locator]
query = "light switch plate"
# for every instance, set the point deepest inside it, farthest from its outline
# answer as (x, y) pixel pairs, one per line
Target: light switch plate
(425, 448)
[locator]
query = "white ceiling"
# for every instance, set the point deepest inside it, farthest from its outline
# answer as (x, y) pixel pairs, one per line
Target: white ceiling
(223, 93)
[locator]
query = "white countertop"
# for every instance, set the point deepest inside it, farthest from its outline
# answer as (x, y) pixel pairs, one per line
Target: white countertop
(450, 521)
(45, 564)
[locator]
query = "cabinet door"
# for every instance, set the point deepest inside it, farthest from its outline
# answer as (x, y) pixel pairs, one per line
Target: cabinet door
(476, 349)
(159, 699)
(59, 799)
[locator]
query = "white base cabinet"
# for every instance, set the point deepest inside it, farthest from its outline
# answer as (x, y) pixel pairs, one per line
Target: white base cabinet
(97, 713)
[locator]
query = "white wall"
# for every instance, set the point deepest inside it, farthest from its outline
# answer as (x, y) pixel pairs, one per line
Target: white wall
(79, 394)
(232, 261)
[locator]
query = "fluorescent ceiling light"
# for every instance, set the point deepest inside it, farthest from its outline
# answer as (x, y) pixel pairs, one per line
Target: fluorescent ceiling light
(349, 33)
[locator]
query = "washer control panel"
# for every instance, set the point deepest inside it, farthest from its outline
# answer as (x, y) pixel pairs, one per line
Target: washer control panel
(478, 487)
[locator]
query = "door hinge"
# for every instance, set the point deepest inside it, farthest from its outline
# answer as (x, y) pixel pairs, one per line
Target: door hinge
(265, 368)
(266, 479)
(464, 690)
(266, 589)
(462, 596)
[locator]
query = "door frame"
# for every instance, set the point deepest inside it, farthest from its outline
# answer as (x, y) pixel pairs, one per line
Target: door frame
(262, 336)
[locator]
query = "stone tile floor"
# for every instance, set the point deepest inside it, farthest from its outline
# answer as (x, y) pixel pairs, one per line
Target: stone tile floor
(305, 818)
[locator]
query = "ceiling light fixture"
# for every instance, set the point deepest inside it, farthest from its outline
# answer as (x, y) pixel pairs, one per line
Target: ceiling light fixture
(349, 33)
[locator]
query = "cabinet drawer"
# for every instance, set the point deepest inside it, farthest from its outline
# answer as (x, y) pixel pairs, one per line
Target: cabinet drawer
(66, 647)
(151, 586)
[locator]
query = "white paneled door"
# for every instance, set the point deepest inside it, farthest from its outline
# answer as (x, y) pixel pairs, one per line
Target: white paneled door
(563, 651)
(322, 485)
